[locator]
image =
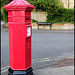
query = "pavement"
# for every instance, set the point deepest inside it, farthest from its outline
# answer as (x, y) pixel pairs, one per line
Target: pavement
(66, 70)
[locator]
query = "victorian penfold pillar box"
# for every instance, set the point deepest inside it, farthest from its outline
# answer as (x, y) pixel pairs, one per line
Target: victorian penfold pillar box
(20, 32)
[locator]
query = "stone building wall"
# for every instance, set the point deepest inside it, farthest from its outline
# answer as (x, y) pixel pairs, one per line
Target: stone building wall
(39, 16)
(65, 3)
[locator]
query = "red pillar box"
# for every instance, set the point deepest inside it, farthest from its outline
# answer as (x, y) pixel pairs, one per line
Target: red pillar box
(20, 32)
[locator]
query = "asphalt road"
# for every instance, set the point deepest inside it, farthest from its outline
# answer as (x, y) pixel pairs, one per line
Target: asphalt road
(47, 47)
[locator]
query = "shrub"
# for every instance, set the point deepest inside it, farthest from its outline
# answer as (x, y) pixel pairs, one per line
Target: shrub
(45, 5)
(56, 12)
(32, 20)
(5, 15)
(1, 16)
(61, 15)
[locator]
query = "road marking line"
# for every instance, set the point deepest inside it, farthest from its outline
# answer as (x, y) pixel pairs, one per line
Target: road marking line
(40, 59)
(4, 70)
(49, 58)
(44, 59)
(4, 67)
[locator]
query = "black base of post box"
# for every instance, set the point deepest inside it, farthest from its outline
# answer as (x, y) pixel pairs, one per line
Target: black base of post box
(20, 72)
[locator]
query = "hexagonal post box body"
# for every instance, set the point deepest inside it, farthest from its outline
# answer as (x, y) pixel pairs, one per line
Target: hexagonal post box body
(20, 32)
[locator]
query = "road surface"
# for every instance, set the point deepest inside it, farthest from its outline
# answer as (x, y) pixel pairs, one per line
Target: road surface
(48, 46)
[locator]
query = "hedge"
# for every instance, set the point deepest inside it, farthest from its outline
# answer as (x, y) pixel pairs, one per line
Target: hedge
(34, 21)
(62, 15)
(1, 16)
(56, 12)
(40, 5)
(45, 5)
(5, 15)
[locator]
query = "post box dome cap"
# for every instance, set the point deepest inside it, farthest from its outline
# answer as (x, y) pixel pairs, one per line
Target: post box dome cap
(19, 4)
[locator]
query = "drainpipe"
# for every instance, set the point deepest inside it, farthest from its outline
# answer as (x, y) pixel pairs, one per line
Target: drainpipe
(68, 4)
